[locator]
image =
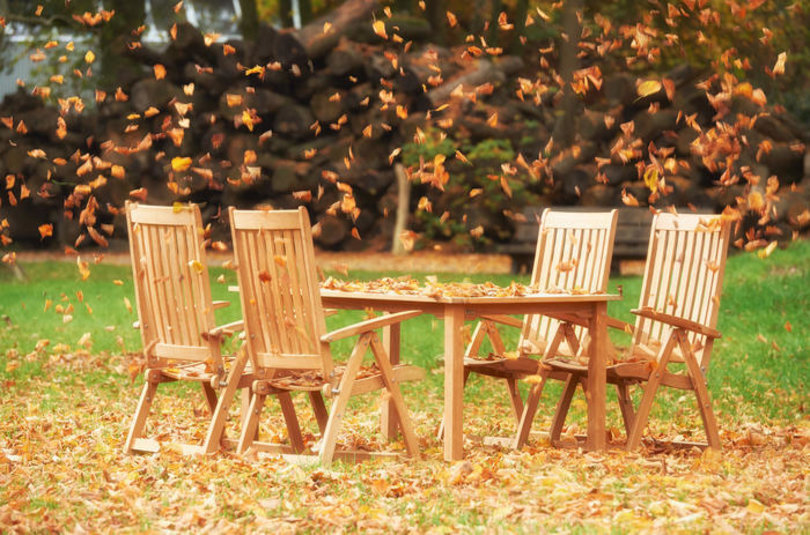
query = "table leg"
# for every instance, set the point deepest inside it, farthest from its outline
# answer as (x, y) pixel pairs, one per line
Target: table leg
(388, 414)
(453, 382)
(597, 386)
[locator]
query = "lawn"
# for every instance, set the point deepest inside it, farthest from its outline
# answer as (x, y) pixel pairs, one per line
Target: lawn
(68, 395)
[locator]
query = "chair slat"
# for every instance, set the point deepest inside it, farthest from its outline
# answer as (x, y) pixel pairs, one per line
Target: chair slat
(271, 248)
(573, 252)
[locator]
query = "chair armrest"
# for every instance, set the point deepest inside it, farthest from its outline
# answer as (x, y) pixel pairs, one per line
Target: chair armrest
(369, 325)
(226, 330)
(220, 304)
(675, 321)
(504, 320)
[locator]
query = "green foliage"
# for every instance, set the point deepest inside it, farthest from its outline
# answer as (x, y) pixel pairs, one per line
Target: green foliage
(474, 195)
(435, 142)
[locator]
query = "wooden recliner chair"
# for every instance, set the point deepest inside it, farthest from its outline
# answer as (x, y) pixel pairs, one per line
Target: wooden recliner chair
(286, 338)
(676, 323)
(181, 341)
(574, 251)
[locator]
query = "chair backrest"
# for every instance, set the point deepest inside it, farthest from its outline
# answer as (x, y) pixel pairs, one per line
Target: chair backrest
(574, 250)
(278, 285)
(683, 277)
(172, 289)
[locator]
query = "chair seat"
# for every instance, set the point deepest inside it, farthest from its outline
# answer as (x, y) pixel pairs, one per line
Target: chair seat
(196, 371)
(313, 380)
(622, 372)
(505, 366)
(188, 372)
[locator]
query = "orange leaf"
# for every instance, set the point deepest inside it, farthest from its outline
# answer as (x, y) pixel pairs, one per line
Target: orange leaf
(45, 230)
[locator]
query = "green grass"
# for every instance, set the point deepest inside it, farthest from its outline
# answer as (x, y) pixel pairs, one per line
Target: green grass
(66, 407)
(759, 368)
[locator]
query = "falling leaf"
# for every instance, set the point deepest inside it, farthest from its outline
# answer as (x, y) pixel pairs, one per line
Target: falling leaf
(180, 163)
(779, 67)
(160, 71)
(45, 230)
(89, 57)
(767, 251)
(648, 87)
(379, 28)
(451, 19)
(629, 199)
(197, 266)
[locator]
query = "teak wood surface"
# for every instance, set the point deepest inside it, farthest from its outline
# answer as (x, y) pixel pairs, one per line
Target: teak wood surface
(573, 253)
(287, 341)
(675, 323)
(176, 318)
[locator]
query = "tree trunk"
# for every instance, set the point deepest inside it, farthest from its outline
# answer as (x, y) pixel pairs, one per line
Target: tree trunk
(437, 15)
(116, 67)
(249, 24)
(285, 13)
(566, 124)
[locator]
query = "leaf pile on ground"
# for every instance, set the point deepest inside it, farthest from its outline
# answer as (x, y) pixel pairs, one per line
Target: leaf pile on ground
(62, 467)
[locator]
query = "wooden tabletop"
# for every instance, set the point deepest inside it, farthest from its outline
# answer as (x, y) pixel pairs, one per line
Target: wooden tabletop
(483, 300)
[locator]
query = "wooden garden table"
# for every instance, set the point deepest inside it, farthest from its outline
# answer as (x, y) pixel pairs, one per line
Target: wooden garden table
(592, 308)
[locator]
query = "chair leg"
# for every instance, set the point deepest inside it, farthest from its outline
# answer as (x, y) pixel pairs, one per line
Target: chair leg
(563, 406)
(329, 440)
(217, 425)
(319, 408)
(702, 394)
(141, 413)
(640, 421)
(250, 427)
(529, 410)
(243, 413)
(514, 397)
(626, 406)
(405, 423)
(293, 429)
(210, 397)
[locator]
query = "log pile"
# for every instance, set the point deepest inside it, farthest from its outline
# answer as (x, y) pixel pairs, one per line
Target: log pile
(319, 116)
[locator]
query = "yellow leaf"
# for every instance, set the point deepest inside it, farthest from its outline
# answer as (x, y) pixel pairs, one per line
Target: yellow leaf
(89, 57)
(648, 87)
(379, 29)
(651, 178)
(180, 163)
(197, 266)
(766, 252)
(160, 71)
(755, 506)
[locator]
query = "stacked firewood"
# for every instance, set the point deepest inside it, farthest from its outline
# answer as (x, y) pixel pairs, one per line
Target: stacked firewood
(320, 117)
